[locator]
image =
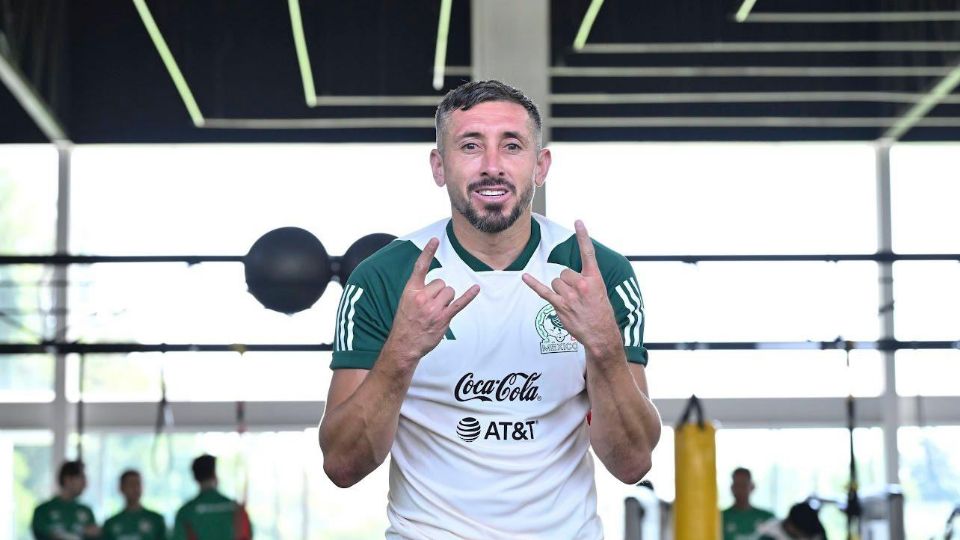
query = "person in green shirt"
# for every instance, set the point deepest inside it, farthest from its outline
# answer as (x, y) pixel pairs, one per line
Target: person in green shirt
(211, 515)
(741, 521)
(134, 522)
(62, 517)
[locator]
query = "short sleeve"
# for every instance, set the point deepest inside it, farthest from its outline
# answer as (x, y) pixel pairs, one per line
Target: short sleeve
(627, 301)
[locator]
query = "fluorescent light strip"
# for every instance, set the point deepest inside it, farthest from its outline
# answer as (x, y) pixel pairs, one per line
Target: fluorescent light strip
(440, 56)
(915, 115)
(161, 45)
(742, 121)
(861, 17)
(587, 24)
(317, 123)
(303, 58)
(752, 71)
(741, 97)
(744, 10)
(769, 47)
(31, 101)
(378, 101)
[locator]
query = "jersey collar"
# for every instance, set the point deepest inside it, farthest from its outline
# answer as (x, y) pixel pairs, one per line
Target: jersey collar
(477, 265)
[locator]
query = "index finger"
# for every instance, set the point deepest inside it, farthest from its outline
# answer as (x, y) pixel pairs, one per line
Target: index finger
(422, 266)
(588, 253)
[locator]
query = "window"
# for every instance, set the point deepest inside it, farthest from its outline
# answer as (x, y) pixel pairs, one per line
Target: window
(26, 478)
(718, 198)
(28, 214)
(927, 296)
(924, 189)
(930, 474)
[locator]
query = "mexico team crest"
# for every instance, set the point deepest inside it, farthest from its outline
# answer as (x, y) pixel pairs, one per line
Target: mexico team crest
(554, 338)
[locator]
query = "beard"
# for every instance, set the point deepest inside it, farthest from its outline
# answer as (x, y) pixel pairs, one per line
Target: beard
(491, 219)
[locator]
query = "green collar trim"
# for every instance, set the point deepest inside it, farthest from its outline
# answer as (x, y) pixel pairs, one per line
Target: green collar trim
(477, 265)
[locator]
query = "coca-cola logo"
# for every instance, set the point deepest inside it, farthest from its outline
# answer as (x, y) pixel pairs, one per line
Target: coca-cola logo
(518, 386)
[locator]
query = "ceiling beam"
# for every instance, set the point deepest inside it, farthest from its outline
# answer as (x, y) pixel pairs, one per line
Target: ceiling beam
(303, 57)
(915, 115)
(31, 101)
(741, 97)
(744, 12)
(744, 121)
(855, 17)
(752, 71)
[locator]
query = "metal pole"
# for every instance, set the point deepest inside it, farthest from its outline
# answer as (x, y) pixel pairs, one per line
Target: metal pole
(61, 409)
(891, 410)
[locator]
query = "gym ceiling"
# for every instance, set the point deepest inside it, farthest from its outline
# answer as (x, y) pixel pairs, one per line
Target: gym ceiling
(651, 70)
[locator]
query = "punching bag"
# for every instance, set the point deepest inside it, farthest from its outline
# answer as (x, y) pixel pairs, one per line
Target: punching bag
(696, 515)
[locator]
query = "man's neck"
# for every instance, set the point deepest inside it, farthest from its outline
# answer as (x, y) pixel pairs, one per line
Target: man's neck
(69, 497)
(742, 505)
(496, 250)
(134, 507)
(207, 485)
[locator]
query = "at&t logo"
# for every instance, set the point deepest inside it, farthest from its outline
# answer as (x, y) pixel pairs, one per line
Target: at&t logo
(469, 429)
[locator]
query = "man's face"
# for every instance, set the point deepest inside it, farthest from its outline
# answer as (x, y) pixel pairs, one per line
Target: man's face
(132, 488)
(741, 487)
(490, 164)
(74, 485)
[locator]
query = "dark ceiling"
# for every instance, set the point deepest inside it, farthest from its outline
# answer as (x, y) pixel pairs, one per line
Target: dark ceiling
(94, 63)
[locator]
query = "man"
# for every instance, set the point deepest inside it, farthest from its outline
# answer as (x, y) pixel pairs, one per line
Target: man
(802, 523)
(741, 521)
(444, 357)
(134, 522)
(62, 517)
(211, 515)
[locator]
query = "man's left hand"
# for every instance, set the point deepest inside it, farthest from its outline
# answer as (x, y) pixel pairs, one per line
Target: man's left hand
(581, 298)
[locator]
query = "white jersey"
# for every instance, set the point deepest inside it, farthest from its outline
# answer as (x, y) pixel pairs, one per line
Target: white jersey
(492, 439)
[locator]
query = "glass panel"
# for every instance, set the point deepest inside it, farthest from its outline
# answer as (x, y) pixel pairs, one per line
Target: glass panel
(925, 186)
(25, 478)
(754, 374)
(643, 198)
(927, 298)
(208, 376)
(28, 199)
(930, 474)
(279, 475)
(928, 372)
(218, 199)
(785, 301)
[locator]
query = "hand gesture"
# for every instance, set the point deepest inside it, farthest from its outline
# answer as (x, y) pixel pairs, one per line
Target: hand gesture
(581, 298)
(425, 309)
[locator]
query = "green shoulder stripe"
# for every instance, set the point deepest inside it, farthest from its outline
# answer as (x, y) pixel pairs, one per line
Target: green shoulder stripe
(369, 304)
(622, 290)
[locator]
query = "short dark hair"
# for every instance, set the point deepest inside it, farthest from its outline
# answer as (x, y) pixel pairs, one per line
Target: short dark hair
(204, 468)
(69, 469)
(127, 474)
(742, 470)
(467, 95)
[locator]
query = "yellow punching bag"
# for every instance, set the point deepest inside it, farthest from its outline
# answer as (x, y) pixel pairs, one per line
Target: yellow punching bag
(696, 515)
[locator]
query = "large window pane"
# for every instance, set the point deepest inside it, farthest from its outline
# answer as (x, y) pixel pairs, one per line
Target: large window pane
(766, 373)
(28, 214)
(927, 298)
(930, 474)
(780, 301)
(25, 479)
(718, 198)
(218, 199)
(925, 187)
(280, 475)
(209, 376)
(928, 372)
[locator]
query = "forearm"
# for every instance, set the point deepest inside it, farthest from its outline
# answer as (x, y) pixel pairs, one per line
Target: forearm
(625, 424)
(356, 435)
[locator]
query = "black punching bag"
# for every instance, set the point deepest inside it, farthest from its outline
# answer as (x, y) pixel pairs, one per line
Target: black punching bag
(360, 250)
(287, 270)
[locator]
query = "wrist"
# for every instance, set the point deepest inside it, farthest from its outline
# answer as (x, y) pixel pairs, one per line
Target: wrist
(401, 357)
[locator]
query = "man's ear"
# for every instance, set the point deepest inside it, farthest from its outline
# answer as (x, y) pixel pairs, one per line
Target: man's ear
(543, 166)
(436, 166)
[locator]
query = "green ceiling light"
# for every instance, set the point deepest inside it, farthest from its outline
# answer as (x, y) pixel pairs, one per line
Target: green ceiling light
(178, 80)
(744, 10)
(944, 88)
(587, 24)
(440, 58)
(300, 41)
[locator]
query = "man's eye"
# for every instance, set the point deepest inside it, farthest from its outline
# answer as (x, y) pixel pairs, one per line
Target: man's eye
(469, 146)
(513, 147)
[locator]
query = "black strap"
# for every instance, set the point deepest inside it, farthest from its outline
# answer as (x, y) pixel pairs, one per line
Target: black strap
(692, 403)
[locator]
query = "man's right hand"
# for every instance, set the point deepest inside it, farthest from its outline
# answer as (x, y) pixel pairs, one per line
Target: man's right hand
(424, 311)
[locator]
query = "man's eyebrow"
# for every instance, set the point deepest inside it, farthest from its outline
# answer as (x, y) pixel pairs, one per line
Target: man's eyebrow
(468, 135)
(504, 135)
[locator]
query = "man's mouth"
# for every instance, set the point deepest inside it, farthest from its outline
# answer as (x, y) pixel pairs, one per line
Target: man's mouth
(492, 194)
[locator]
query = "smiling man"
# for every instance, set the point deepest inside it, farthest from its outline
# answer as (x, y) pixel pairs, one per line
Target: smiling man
(448, 353)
